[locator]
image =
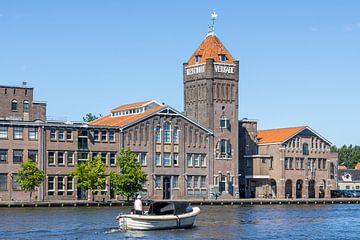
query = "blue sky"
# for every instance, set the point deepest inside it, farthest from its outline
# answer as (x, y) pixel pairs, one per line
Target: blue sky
(299, 60)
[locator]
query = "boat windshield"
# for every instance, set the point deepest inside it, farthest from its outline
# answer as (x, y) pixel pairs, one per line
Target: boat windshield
(166, 208)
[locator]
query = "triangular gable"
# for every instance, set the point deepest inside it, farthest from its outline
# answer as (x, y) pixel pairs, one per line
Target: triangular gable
(307, 131)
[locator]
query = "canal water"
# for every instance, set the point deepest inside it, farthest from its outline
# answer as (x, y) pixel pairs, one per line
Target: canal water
(214, 222)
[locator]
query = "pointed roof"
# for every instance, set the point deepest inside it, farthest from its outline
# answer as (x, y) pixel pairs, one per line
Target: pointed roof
(211, 47)
(277, 135)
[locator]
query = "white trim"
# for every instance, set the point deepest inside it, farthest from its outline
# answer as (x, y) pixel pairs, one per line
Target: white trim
(257, 156)
(256, 176)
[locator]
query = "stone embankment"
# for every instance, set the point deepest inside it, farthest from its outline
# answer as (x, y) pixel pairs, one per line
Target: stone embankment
(244, 202)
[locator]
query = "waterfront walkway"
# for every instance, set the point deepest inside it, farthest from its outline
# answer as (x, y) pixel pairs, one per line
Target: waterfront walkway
(258, 201)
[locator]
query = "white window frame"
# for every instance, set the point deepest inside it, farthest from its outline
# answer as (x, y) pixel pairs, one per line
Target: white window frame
(189, 163)
(111, 136)
(59, 153)
(69, 131)
(175, 158)
(169, 159)
(157, 159)
(18, 133)
(52, 134)
(4, 132)
(32, 133)
(70, 155)
(61, 134)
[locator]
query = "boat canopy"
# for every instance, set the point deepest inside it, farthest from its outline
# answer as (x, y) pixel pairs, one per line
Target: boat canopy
(167, 208)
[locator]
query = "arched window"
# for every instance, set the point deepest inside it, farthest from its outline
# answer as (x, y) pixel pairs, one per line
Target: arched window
(175, 135)
(167, 135)
(224, 149)
(305, 149)
(14, 105)
(26, 106)
(157, 134)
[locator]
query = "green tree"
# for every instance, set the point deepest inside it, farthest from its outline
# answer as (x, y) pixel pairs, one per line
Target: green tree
(91, 117)
(30, 176)
(131, 176)
(348, 156)
(91, 175)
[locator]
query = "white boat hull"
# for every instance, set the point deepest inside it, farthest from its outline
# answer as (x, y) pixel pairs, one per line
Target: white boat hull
(155, 222)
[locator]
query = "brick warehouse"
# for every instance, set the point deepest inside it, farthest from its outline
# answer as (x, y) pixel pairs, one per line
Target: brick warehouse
(196, 154)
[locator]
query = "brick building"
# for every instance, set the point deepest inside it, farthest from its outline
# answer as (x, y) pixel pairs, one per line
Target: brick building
(286, 162)
(202, 152)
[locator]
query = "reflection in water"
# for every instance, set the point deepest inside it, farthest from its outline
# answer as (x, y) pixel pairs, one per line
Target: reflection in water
(214, 222)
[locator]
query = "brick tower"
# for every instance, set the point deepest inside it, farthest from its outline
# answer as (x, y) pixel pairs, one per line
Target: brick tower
(211, 78)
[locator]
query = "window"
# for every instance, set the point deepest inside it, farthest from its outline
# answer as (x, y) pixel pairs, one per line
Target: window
(61, 134)
(347, 187)
(167, 161)
(166, 132)
(96, 135)
(112, 136)
(18, 133)
(197, 160)
(357, 187)
(69, 134)
(3, 181)
(61, 186)
(51, 158)
(324, 164)
(103, 157)
(197, 59)
(70, 185)
(112, 159)
(222, 58)
(15, 184)
(175, 135)
(104, 135)
(26, 106)
(142, 158)
(83, 156)
(33, 134)
(14, 105)
(286, 163)
(175, 181)
(305, 149)
(3, 155)
(332, 170)
(196, 181)
(224, 122)
(176, 159)
(70, 158)
(3, 132)
(271, 163)
(225, 148)
(33, 155)
(83, 139)
(51, 187)
(52, 134)
(301, 163)
(203, 160)
(61, 160)
(157, 134)
(157, 181)
(18, 156)
(189, 182)
(158, 159)
(291, 163)
(189, 158)
(203, 182)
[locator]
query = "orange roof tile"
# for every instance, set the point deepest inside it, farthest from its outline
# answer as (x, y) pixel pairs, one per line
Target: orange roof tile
(276, 135)
(123, 120)
(341, 167)
(357, 165)
(211, 47)
(131, 105)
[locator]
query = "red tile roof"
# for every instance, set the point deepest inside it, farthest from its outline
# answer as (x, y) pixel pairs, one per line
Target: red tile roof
(131, 105)
(123, 120)
(341, 167)
(357, 165)
(276, 135)
(211, 47)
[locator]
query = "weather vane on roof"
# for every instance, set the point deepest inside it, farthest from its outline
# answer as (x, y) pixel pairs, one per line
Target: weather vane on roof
(212, 25)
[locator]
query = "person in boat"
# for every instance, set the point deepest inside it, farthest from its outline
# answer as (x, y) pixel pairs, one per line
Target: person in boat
(138, 205)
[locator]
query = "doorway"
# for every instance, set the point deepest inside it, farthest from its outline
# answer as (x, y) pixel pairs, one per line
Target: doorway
(311, 189)
(81, 194)
(299, 186)
(166, 187)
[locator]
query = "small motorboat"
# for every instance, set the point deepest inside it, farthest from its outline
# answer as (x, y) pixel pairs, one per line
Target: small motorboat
(161, 215)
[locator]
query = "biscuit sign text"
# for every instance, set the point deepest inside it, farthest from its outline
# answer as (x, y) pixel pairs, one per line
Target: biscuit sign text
(195, 70)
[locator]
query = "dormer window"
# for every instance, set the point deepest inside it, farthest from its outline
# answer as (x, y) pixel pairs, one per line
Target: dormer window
(197, 59)
(222, 58)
